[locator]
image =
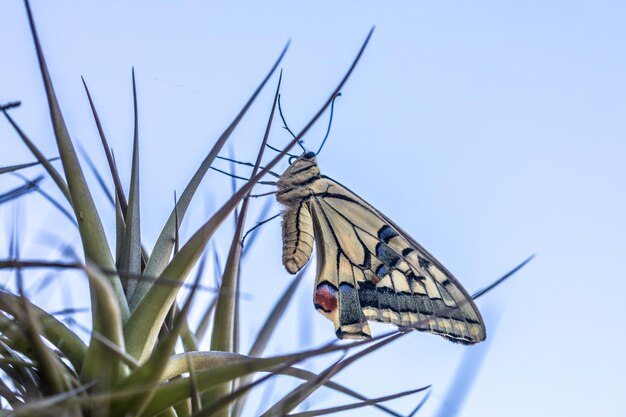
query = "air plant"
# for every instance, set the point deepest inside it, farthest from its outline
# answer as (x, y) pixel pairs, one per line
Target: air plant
(131, 362)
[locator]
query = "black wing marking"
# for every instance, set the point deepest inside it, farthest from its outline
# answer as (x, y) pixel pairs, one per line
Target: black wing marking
(397, 281)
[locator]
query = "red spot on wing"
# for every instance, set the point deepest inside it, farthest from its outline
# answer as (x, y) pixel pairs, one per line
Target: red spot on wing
(325, 298)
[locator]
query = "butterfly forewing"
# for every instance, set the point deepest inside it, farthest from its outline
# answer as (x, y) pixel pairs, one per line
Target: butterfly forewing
(367, 267)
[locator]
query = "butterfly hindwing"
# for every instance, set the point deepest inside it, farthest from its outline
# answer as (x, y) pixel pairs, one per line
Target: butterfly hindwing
(336, 287)
(367, 267)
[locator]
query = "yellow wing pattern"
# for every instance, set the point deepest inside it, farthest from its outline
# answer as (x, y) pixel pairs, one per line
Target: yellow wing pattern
(367, 267)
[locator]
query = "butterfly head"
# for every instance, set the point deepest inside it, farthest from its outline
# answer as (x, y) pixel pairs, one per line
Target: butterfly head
(307, 155)
(303, 165)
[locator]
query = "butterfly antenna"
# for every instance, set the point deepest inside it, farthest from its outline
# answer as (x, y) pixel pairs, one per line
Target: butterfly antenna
(330, 122)
(280, 111)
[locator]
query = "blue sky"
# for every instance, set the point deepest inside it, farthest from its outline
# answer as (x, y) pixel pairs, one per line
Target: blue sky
(488, 130)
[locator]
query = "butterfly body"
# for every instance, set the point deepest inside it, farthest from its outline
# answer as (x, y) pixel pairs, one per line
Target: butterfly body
(367, 267)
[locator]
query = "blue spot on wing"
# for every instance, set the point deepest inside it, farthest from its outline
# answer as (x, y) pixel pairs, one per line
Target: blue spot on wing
(424, 263)
(386, 233)
(387, 255)
(381, 271)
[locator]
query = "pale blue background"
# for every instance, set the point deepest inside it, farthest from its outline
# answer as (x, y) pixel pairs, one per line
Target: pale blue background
(490, 130)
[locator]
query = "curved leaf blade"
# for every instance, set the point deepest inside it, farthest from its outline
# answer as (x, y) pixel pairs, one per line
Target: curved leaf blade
(130, 262)
(94, 240)
(52, 329)
(100, 364)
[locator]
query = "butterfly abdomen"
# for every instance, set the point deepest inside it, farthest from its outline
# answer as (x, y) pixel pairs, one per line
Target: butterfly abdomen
(297, 237)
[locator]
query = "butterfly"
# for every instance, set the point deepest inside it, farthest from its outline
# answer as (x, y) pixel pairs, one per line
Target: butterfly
(367, 267)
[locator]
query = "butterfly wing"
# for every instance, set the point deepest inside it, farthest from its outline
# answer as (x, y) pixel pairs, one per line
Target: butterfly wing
(370, 269)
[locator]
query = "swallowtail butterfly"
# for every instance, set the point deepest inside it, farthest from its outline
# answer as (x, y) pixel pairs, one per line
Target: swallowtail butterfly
(367, 267)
